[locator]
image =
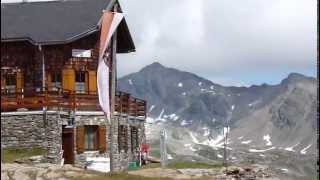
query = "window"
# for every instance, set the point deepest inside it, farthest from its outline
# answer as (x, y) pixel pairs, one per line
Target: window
(11, 82)
(91, 138)
(134, 138)
(80, 81)
(123, 138)
(56, 80)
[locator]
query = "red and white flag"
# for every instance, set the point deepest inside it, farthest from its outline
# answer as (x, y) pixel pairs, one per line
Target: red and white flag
(109, 23)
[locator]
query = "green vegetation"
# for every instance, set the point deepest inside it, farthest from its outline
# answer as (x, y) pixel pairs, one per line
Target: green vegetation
(9, 155)
(152, 165)
(155, 153)
(185, 165)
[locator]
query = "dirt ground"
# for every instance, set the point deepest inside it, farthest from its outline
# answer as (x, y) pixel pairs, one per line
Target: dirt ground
(168, 173)
(14, 171)
(45, 171)
(203, 174)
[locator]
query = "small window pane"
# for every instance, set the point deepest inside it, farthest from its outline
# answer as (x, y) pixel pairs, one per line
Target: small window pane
(80, 76)
(90, 138)
(56, 80)
(80, 82)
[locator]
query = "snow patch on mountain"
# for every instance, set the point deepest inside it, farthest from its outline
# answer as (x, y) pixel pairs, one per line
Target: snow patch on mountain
(206, 131)
(192, 149)
(211, 142)
(173, 116)
(291, 148)
(184, 123)
(261, 150)
(180, 84)
(246, 142)
(194, 139)
(151, 108)
(267, 139)
(130, 81)
(304, 150)
(160, 119)
(150, 120)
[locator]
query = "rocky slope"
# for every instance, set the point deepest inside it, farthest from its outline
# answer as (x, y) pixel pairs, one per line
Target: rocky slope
(267, 122)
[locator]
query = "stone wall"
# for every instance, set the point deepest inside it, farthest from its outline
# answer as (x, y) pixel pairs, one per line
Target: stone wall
(22, 131)
(89, 118)
(120, 159)
(33, 129)
(53, 136)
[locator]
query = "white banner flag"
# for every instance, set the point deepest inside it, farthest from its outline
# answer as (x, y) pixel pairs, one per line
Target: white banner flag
(103, 69)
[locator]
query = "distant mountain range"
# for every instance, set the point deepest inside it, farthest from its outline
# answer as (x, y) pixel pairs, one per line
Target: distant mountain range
(261, 117)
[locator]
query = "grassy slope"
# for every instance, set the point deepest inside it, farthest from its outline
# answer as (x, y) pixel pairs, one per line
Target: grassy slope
(10, 155)
(193, 165)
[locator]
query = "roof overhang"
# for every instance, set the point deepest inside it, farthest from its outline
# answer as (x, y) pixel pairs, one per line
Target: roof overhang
(125, 42)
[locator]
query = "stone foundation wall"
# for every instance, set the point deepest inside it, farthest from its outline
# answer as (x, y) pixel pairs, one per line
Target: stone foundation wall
(33, 129)
(22, 131)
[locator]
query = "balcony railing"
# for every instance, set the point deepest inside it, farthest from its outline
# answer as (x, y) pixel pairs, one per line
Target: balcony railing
(59, 99)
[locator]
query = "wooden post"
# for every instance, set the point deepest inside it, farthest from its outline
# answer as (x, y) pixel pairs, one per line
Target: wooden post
(44, 108)
(113, 138)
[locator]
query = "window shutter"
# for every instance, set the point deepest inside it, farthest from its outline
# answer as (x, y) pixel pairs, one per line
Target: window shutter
(49, 83)
(3, 81)
(80, 139)
(102, 139)
(92, 82)
(68, 79)
(19, 81)
(86, 82)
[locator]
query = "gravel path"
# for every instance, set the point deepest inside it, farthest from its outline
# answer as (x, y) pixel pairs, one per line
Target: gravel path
(14, 171)
(252, 173)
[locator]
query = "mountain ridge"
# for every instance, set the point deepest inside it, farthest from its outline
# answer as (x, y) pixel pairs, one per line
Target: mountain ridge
(184, 99)
(267, 123)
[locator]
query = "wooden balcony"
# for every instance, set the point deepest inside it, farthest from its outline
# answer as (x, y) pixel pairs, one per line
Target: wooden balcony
(59, 99)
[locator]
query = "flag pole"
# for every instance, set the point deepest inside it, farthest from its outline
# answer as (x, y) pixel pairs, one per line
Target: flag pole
(113, 92)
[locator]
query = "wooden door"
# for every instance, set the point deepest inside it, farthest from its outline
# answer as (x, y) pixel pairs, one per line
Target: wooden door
(68, 145)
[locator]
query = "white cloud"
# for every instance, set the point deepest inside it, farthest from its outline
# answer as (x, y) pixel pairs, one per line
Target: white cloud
(229, 42)
(232, 41)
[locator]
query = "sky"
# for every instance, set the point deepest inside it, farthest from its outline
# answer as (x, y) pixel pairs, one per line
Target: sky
(226, 41)
(238, 43)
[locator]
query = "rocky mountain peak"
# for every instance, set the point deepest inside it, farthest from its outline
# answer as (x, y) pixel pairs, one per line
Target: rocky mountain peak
(153, 66)
(295, 77)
